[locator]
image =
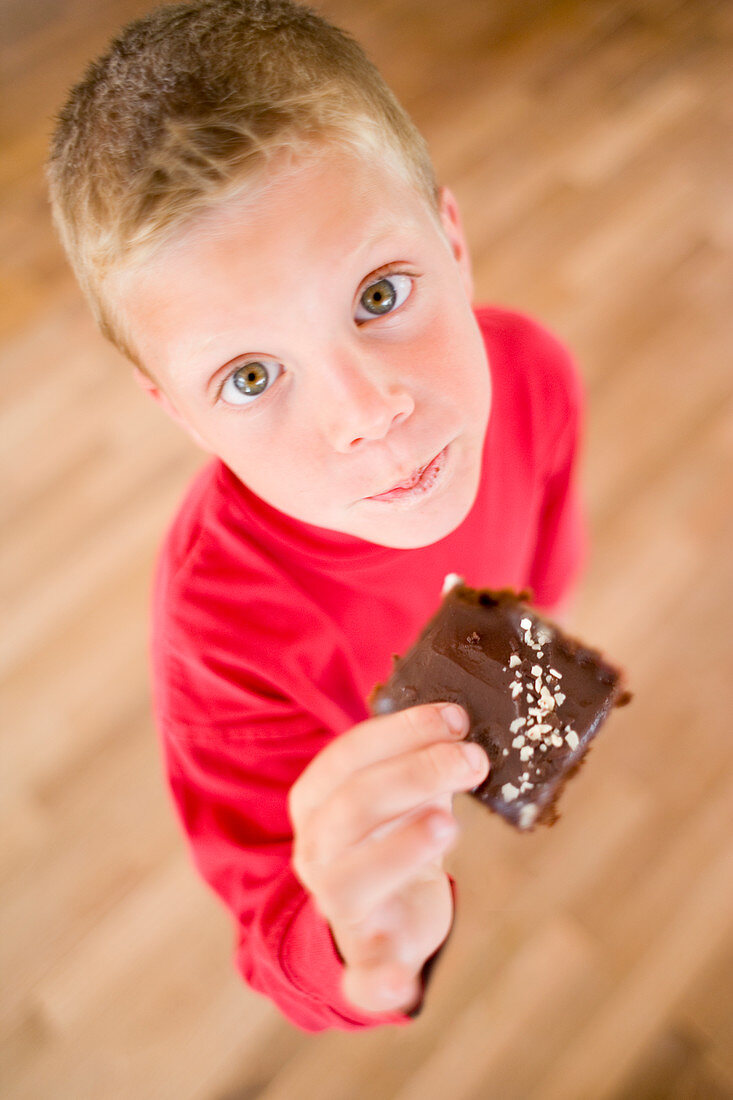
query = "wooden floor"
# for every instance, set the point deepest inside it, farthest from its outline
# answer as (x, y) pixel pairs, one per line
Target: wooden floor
(590, 146)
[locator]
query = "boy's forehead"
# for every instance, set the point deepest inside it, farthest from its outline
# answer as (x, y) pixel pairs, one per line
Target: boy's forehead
(341, 204)
(348, 198)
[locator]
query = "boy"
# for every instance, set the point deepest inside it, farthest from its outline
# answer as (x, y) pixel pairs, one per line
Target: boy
(256, 224)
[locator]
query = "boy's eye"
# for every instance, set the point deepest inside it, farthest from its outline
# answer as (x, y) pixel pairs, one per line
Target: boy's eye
(246, 383)
(385, 295)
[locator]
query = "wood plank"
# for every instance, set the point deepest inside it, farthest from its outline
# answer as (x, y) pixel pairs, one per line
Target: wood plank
(588, 146)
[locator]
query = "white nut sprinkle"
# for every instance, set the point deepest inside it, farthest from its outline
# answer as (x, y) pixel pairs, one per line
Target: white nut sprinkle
(526, 786)
(536, 670)
(518, 741)
(572, 739)
(538, 685)
(556, 740)
(514, 661)
(547, 701)
(544, 727)
(505, 752)
(526, 753)
(530, 697)
(559, 698)
(525, 624)
(509, 792)
(534, 734)
(556, 674)
(543, 747)
(516, 689)
(544, 635)
(517, 724)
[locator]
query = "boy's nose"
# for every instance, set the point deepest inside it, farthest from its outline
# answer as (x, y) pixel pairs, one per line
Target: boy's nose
(361, 404)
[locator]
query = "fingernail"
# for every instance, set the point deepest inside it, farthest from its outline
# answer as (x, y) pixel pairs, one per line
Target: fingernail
(475, 756)
(455, 718)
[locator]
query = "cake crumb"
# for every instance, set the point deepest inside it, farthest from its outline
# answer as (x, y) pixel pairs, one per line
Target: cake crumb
(528, 815)
(451, 580)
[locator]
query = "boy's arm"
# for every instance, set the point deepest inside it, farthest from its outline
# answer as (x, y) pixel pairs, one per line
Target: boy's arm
(232, 794)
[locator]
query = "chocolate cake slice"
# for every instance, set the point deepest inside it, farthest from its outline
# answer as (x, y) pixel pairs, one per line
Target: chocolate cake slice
(535, 697)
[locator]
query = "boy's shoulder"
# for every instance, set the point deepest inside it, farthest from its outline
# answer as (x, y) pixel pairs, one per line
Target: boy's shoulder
(212, 543)
(537, 389)
(528, 348)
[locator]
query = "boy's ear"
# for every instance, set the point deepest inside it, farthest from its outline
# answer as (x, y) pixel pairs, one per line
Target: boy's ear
(450, 217)
(145, 383)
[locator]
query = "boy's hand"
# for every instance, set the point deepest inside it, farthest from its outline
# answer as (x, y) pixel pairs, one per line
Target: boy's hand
(372, 820)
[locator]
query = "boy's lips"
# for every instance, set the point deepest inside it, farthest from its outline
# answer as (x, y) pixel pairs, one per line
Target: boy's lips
(422, 473)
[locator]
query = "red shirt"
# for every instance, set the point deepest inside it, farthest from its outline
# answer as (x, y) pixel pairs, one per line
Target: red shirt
(268, 634)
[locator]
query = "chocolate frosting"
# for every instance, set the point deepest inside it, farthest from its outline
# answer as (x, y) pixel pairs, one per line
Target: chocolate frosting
(535, 696)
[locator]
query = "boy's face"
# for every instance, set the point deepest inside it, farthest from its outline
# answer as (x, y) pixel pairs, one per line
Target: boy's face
(321, 342)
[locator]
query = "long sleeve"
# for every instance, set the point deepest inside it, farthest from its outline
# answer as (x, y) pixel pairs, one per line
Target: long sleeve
(231, 795)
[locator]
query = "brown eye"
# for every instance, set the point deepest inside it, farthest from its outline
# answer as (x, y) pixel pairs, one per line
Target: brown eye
(251, 379)
(384, 295)
(247, 382)
(379, 297)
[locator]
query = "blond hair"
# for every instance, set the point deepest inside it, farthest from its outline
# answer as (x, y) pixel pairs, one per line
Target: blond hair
(188, 106)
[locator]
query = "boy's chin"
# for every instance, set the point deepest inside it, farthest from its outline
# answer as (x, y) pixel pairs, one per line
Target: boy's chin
(408, 529)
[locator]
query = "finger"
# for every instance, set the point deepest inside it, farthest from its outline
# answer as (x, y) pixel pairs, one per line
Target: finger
(383, 987)
(351, 888)
(373, 740)
(377, 795)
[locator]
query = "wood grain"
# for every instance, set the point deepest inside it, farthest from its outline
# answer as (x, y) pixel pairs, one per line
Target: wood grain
(589, 146)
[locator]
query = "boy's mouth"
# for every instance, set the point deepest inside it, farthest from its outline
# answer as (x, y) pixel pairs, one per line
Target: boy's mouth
(420, 482)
